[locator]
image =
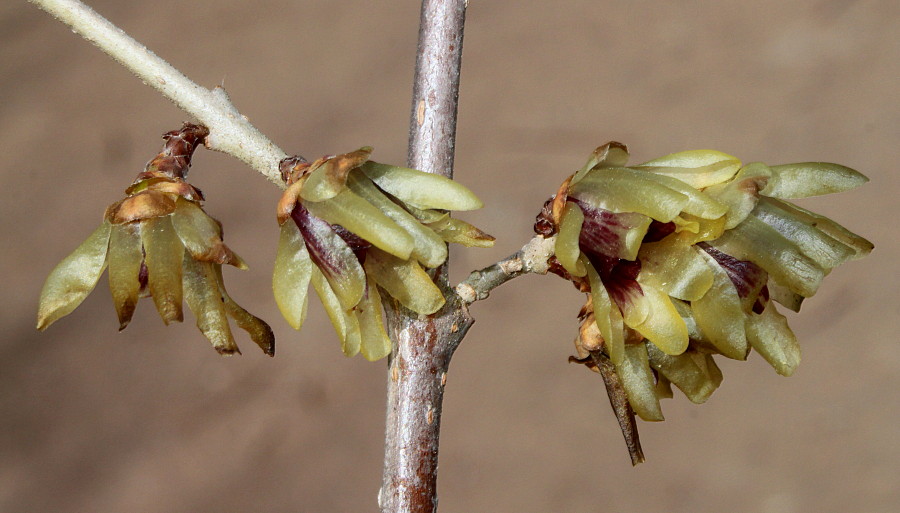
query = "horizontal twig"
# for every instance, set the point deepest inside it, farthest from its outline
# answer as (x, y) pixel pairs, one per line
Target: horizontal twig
(532, 258)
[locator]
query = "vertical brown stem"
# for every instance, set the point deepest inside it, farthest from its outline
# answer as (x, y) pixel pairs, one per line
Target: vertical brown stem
(423, 345)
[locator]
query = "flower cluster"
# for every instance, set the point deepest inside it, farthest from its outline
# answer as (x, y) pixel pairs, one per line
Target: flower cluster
(682, 258)
(349, 226)
(158, 242)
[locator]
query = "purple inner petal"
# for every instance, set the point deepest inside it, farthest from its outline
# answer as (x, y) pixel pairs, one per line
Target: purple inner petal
(748, 278)
(312, 228)
(659, 231)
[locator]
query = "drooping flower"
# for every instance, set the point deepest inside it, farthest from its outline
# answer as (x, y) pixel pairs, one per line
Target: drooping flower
(351, 226)
(681, 258)
(158, 242)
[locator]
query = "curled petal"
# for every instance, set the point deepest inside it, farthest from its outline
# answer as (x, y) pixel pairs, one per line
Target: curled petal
(202, 235)
(164, 253)
(621, 189)
(288, 201)
(332, 256)
(330, 177)
(260, 332)
(761, 244)
(375, 341)
(637, 379)
(125, 258)
(428, 247)
(74, 278)
(144, 205)
(290, 279)
(420, 189)
(344, 322)
(806, 179)
(460, 232)
(697, 168)
(771, 337)
(405, 281)
(684, 372)
(742, 193)
(720, 316)
(201, 293)
(611, 154)
(567, 249)
(365, 220)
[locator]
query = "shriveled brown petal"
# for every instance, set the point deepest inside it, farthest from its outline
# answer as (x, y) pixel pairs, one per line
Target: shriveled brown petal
(70, 282)
(164, 253)
(344, 322)
(329, 178)
(125, 258)
(201, 292)
(637, 379)
(260, 332)
(375, 341)
(202, 235)
(144, 205)
(405, 281)
(288, 201)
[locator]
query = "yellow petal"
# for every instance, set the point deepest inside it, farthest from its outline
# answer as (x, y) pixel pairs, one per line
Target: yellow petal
(662, 326)
(125, 258)
(202, 235)
(260, 332)
(163, 252)
(567, 249)
(719, 314)
(697, 168)
(771, 337)
(405, 281)
(344, 322)
(620, 189)
(607, 316)
(678, 267)
(290, 279)
(74, 278)
(637, 380)
(420, 189)
(740, 194)
(328, 179)
(805, 179)
(685, 373)
(457, 231)
(201, 293)
(375, 341)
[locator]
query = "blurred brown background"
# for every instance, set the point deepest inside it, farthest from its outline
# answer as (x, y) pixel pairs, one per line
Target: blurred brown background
(152, 420)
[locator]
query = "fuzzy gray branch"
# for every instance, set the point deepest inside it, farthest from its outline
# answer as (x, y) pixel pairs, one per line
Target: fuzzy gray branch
(229, 131)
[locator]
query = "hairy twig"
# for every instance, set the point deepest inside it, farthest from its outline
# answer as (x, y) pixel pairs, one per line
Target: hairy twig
(229, 131)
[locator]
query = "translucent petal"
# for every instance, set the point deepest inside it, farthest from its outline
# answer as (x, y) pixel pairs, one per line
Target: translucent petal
(344, 322)
(679, 269)
(74, 278)
(405, 281)
(608, 317)
(719, 314)
(125, 258)
(771, 337)
(823, 249)
(202, 295)
(567, 250)
(742, 193)
(420, 189)
(663, 387)
(697, 168)
(428, 247)
(805, 179)
(329, 178)
(758, 242)
(332, 256)
(626, 190)
(692, 230)
(290, 279)
(460, 232)
(662, 326)
(699, 204)
(375, 341)
(163, 255)
(202, 235)
(637, 380)
(260, 332)
(784, 296)
(612, 235)
(684, 372)
(611, 154)
(365, 220)
(860, 246)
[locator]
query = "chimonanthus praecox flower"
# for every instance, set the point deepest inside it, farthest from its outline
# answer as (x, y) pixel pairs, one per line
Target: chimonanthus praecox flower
(350, 226)
(158, 242)
(681, 257)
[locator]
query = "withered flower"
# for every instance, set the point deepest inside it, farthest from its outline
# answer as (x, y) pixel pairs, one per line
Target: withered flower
(681, 257)
(351, 226)
(158, 242)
